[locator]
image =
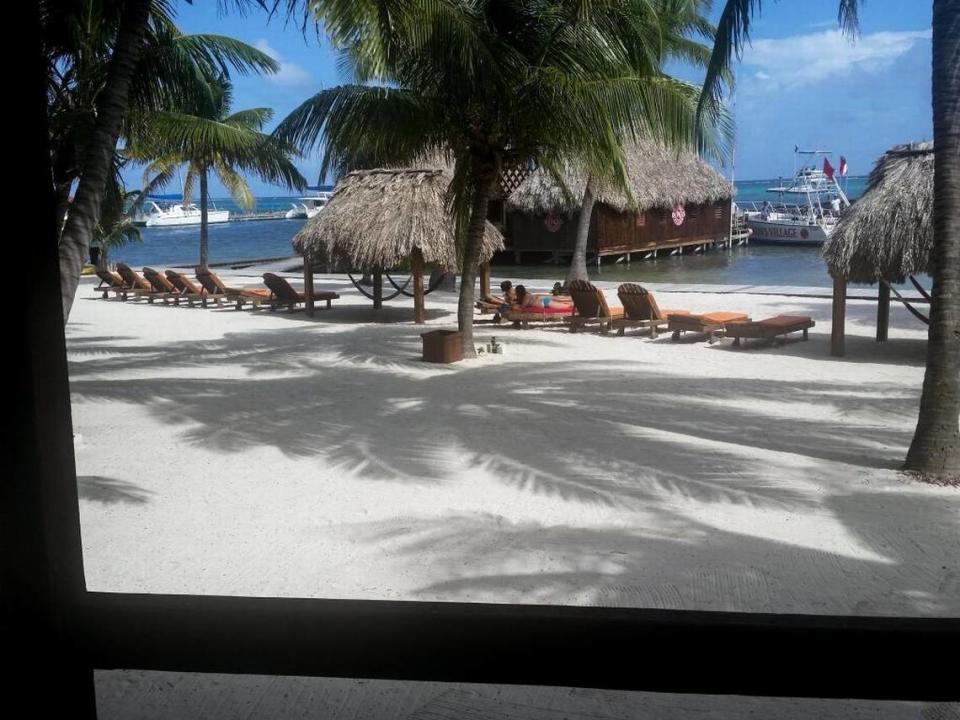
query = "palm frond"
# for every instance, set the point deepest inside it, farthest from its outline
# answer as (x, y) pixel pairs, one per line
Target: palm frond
(364, 126)
(733, 33)
(848, 17)
(236, 185)
(253, 118)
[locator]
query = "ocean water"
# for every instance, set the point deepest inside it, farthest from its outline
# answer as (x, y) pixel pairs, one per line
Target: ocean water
(750, 265)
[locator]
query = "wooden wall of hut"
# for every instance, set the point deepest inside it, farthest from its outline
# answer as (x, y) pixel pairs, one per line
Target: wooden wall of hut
(615, 232)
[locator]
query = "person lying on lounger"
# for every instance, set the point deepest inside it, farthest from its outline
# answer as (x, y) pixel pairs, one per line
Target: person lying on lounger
(507, 298)
(537, 300)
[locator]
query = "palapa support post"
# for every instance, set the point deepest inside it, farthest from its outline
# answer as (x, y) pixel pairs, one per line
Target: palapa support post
(308, 282)
(838, 329)
(416, 265)
(377, 288)
(484, 272)
(883, 311)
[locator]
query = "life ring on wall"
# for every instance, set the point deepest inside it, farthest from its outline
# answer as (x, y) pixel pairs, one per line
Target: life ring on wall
(678, 214)
(553, 222)
(804, 233)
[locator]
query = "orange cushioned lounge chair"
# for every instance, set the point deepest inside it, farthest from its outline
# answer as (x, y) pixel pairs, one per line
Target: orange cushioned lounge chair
(190, 291)
(215, 286)
(285, 294)
(591, 307)
(769, 328)
(111, 282)
(640, 309)
(711, 324)
(161, 287)
(135, 283)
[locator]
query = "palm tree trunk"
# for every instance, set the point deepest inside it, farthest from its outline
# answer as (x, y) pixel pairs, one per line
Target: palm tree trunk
(204, 227)
(63, 204)
(935, 450)
(471, 260)
(98, 164)
(578, 264)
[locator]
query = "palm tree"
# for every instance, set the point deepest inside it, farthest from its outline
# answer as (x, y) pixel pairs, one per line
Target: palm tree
(105, 59)
(116, 228)
(935, 450)
(678, 20)
(492, 87)
(212, 139)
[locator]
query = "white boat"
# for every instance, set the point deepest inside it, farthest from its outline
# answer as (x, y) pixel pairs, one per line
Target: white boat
(798, 223)
(309, 206)
(177, 214)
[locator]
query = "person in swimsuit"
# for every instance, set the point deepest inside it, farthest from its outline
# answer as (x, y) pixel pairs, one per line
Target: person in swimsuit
(535, 300)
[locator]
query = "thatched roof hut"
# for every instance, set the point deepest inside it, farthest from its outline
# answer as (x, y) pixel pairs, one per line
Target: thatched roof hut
(376, 218)
(659, 178)
(886, 236)
(888, 233)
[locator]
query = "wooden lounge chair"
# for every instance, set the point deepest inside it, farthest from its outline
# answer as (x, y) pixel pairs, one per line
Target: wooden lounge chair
(489, 304)
(769, 328)
(136, 284)
(591, 307)
(111, 282)
(640, 309)
(285, 294)
(161, 287)
(190, 291)
(215, 286)
(522, 317)
(711, 324)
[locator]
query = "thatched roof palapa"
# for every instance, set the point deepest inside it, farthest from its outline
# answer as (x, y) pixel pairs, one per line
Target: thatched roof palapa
(659, 178)
(888, 233)
(375, 218)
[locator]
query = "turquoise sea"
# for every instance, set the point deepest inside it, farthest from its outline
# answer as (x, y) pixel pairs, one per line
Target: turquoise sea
(755, 264)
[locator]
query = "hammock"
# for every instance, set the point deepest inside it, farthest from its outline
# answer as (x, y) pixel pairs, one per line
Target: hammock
(432, 286)
(919, 288)
(368, 294)
(906, 303)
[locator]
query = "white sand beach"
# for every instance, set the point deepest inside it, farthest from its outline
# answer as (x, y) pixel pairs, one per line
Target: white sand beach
(271, 454)
(261, 453)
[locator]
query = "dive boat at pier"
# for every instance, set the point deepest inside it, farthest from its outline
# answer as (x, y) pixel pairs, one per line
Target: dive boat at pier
(810, 218)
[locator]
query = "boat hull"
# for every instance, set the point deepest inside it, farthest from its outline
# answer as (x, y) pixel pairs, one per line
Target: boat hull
(213, 216)
(780, 233)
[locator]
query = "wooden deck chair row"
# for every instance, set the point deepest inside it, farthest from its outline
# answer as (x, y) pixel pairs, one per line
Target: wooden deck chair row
(640, 309)
(214, 285)
(591, 307)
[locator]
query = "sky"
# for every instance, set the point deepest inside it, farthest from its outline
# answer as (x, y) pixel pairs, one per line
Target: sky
(800, 82)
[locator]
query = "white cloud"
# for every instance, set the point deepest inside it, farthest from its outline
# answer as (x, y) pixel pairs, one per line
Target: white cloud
(290, 74)
(805, 59)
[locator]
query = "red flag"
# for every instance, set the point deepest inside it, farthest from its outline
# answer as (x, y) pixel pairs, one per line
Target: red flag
(843, 166)
(827, 169)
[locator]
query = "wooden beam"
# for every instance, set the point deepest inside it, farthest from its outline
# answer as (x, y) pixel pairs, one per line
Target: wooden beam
(883, 311)
(525, 644)
(377, 288)
(43, 582)
(484, 280)
(416, 264)
(308, 282)
(838, 330)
